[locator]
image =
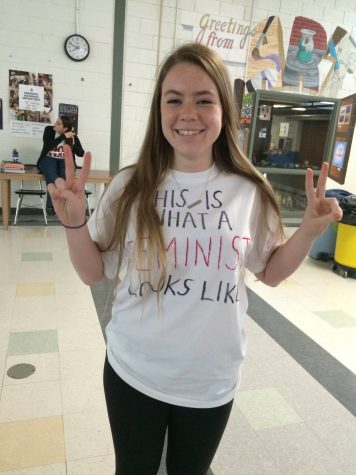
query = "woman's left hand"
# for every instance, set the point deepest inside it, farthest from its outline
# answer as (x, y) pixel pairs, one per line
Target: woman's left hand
(320, 211)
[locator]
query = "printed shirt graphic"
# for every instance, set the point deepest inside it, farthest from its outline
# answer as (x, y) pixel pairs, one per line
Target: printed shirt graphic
(189, 350)
(56, 152)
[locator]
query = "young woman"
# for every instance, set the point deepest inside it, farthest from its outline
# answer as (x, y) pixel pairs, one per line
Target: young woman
(180, 227)
(51, 161)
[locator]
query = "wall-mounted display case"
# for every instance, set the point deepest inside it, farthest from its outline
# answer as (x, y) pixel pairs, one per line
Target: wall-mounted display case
(343, 139)
(289, 133)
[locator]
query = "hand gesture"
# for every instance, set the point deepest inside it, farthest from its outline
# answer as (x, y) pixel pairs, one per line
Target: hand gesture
(320, 211)
(68, 195)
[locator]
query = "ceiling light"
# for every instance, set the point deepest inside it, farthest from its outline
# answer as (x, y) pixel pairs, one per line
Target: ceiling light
(298, 109)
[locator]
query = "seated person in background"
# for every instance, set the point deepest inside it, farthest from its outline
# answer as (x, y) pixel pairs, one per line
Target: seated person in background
(51, 161)
(273, 150)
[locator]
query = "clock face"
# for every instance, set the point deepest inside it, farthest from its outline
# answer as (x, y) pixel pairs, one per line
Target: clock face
(76, 47)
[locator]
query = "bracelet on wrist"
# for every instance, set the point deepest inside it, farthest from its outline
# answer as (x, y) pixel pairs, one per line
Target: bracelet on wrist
(76, 227)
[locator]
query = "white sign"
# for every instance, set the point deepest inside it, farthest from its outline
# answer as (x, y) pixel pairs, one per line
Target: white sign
(283, 129)
(26, 128)
(31, 97)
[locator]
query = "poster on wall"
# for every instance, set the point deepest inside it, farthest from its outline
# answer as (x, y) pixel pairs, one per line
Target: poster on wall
(1, 114)
(265, 112)
(344, 117)
(30, 102)
(283, 129)
(339, 153)
(71, 111)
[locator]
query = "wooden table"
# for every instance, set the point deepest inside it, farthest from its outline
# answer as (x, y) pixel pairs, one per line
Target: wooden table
(95, 176)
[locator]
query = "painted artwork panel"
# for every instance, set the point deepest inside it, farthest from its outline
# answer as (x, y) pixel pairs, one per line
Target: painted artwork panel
(307, 47)
(265, 61)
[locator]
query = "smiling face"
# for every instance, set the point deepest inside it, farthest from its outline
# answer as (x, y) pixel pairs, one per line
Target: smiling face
(191, 116)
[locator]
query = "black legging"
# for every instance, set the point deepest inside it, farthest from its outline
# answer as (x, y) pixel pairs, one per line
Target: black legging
(139, 423)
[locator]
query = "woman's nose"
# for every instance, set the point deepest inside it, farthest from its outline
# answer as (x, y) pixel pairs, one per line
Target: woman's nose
(188, 111)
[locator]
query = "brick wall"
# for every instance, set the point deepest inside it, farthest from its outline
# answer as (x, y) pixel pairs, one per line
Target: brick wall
(319, 38)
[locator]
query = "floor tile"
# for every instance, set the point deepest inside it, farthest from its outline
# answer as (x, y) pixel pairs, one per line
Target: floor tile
(22, 444)
(35, 289)
(41, 319)
(46, 364)
(317, 404)
(52, 469)
(87, 434)
(82, 363)
(92, 466)
(41, 305)
(241, 449)
(80, 338)
(37, 256)
(297, 450)
(337, 318)
(30, 272)
(82, 395)
(349, 470)
(36, 233)
(30, 400)
(25, 343)
(4, 336)
(266, 408)
(339, 435)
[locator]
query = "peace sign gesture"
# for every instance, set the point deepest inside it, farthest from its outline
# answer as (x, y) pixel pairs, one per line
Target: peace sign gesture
(68, 195)
(320, 211)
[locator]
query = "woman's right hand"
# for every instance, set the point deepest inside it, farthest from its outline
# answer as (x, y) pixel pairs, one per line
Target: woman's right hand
(68, 196)
(69, 135)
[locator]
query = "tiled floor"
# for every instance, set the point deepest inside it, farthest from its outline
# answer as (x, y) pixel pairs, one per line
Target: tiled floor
(54, 422)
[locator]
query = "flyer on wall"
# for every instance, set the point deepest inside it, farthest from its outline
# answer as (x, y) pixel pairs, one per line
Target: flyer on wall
(71, 111)
(30, 102)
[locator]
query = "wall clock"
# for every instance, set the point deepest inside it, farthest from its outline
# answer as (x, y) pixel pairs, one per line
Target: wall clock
(77, 47)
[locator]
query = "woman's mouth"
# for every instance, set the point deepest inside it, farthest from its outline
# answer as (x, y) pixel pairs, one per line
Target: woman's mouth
(188, 132)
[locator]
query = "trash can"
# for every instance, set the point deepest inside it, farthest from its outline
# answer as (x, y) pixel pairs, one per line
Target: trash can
(345, 249)
(324, 246)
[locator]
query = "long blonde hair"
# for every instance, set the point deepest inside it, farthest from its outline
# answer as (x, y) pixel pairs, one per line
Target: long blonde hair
(156, 157)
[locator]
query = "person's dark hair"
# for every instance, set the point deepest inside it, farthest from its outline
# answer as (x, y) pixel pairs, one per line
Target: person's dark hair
(67, 122)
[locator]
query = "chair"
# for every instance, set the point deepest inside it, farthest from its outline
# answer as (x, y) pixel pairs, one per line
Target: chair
(22, 192)
(87, 194)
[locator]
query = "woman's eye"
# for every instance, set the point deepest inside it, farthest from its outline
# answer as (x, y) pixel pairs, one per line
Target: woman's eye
(173, 101)
(204, 101)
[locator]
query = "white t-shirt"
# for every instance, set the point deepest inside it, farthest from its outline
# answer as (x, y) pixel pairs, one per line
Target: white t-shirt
(188, 351)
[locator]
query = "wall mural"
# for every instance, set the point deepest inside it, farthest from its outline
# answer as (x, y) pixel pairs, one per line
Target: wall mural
(312, 65)
(266, 56)
(342, 49)
(307, 47)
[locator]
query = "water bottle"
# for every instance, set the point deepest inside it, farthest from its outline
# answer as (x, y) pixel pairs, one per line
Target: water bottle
(15, 155)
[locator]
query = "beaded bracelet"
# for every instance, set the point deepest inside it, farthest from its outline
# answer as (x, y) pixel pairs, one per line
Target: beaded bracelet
(76, 227)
